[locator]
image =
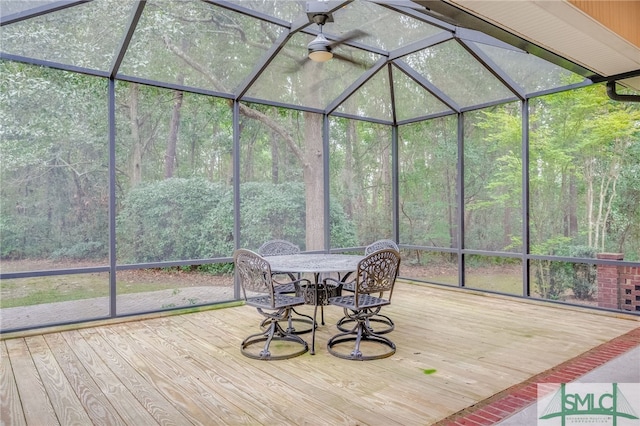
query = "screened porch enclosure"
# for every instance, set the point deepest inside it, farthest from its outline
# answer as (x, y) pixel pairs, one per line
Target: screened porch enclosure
(143, 142)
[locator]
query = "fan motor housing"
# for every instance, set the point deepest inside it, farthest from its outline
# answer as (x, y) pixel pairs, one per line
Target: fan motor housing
(318, 12)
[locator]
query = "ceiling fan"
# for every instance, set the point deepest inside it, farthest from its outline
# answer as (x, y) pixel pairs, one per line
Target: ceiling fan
(320, 49)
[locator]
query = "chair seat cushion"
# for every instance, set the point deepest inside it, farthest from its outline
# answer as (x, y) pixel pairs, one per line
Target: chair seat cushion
(364, 301)
(282, 301)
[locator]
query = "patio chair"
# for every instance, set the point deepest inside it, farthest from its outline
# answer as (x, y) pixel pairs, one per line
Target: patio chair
(279, 248)
(258, 291)
(376, 273)
(386, 323)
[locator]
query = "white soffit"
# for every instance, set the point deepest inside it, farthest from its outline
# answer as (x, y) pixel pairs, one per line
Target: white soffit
(563, 29)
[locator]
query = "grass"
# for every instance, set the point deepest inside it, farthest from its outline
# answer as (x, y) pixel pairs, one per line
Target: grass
(507, 282)
(60, 288)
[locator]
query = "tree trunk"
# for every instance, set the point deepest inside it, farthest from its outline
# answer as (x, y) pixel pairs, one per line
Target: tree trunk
(588, 177)
(573, 206)
(310, 156)
(506, 226)
(135, 160)
(275, 159)
(348, 175)
(172, 140)
(452, 206)
(314, 181)
(385, 169)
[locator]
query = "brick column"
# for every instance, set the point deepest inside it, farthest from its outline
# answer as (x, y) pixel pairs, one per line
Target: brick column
(630, 288)
(608, 282)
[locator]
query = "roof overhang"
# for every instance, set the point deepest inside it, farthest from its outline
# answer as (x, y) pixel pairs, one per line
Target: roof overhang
(560, 27)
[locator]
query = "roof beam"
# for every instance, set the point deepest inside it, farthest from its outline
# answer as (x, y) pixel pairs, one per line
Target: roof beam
(267, 59)
(427, 85)
(39, 11)
(356, 85)
(493, 68)
(421, 44)
(133, 22)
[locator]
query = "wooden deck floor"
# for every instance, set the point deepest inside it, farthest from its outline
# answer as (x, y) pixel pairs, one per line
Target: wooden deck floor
(187, 369)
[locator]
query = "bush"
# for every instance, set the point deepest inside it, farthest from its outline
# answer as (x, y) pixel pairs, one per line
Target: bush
(553, 278)
(85, 250)
(184, 219)
(169, 220)
(584, 277)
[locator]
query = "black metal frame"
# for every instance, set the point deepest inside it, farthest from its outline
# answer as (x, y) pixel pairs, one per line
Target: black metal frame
(393, 60)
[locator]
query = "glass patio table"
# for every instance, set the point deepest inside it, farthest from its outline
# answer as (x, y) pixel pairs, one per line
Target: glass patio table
(317, 264)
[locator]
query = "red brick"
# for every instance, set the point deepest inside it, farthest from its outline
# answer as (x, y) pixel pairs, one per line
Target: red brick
(493, 409)
(491, 417)
(478, 419)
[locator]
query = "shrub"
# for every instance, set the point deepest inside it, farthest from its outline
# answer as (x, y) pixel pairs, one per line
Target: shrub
(184, 219)
(584, 276)
(169, 220)
(553, 278)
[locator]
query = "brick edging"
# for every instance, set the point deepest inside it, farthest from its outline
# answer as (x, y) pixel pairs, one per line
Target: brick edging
(512, 400)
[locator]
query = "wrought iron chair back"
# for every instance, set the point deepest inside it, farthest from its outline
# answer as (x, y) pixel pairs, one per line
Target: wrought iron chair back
(380, 245)
(255, 274)
(377, 273)
(383, 323)
(277, 248)
(258, 290)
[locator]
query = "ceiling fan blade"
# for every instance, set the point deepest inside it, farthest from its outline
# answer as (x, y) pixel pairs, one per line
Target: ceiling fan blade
(348, 37)
(299, 63)
(353, 61)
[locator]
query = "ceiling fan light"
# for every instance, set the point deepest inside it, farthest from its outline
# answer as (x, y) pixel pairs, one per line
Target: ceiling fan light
(320, 55)
(319, 50)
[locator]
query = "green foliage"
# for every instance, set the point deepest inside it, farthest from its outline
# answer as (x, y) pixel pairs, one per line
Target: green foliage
(54, 163)
(550, 276)
(553, 278)
(428, 179)
(9, 239)
(214, 268)
(183, 219)
(272, 211)
(168, 220)
(343, 230)
(277, 211)
(583, 276)
(583, 164)
(82, 250)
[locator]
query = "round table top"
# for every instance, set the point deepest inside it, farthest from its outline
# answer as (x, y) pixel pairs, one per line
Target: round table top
(314, 262)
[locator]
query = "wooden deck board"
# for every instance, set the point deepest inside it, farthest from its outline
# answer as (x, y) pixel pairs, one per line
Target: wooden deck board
(188, 369)
(10, 408)
(36, 403)
(81, 380)
(69, 409)
(127, 376)
(245, 387)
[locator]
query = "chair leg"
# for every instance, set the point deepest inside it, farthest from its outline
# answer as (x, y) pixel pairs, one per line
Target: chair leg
(273, 332)
(291, 320)
(386, 324)
(313, 331)
(360, 332)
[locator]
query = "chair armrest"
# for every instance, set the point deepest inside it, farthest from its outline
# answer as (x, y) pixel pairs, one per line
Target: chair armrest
(334, 283)
(290, 286)
(291, 275)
